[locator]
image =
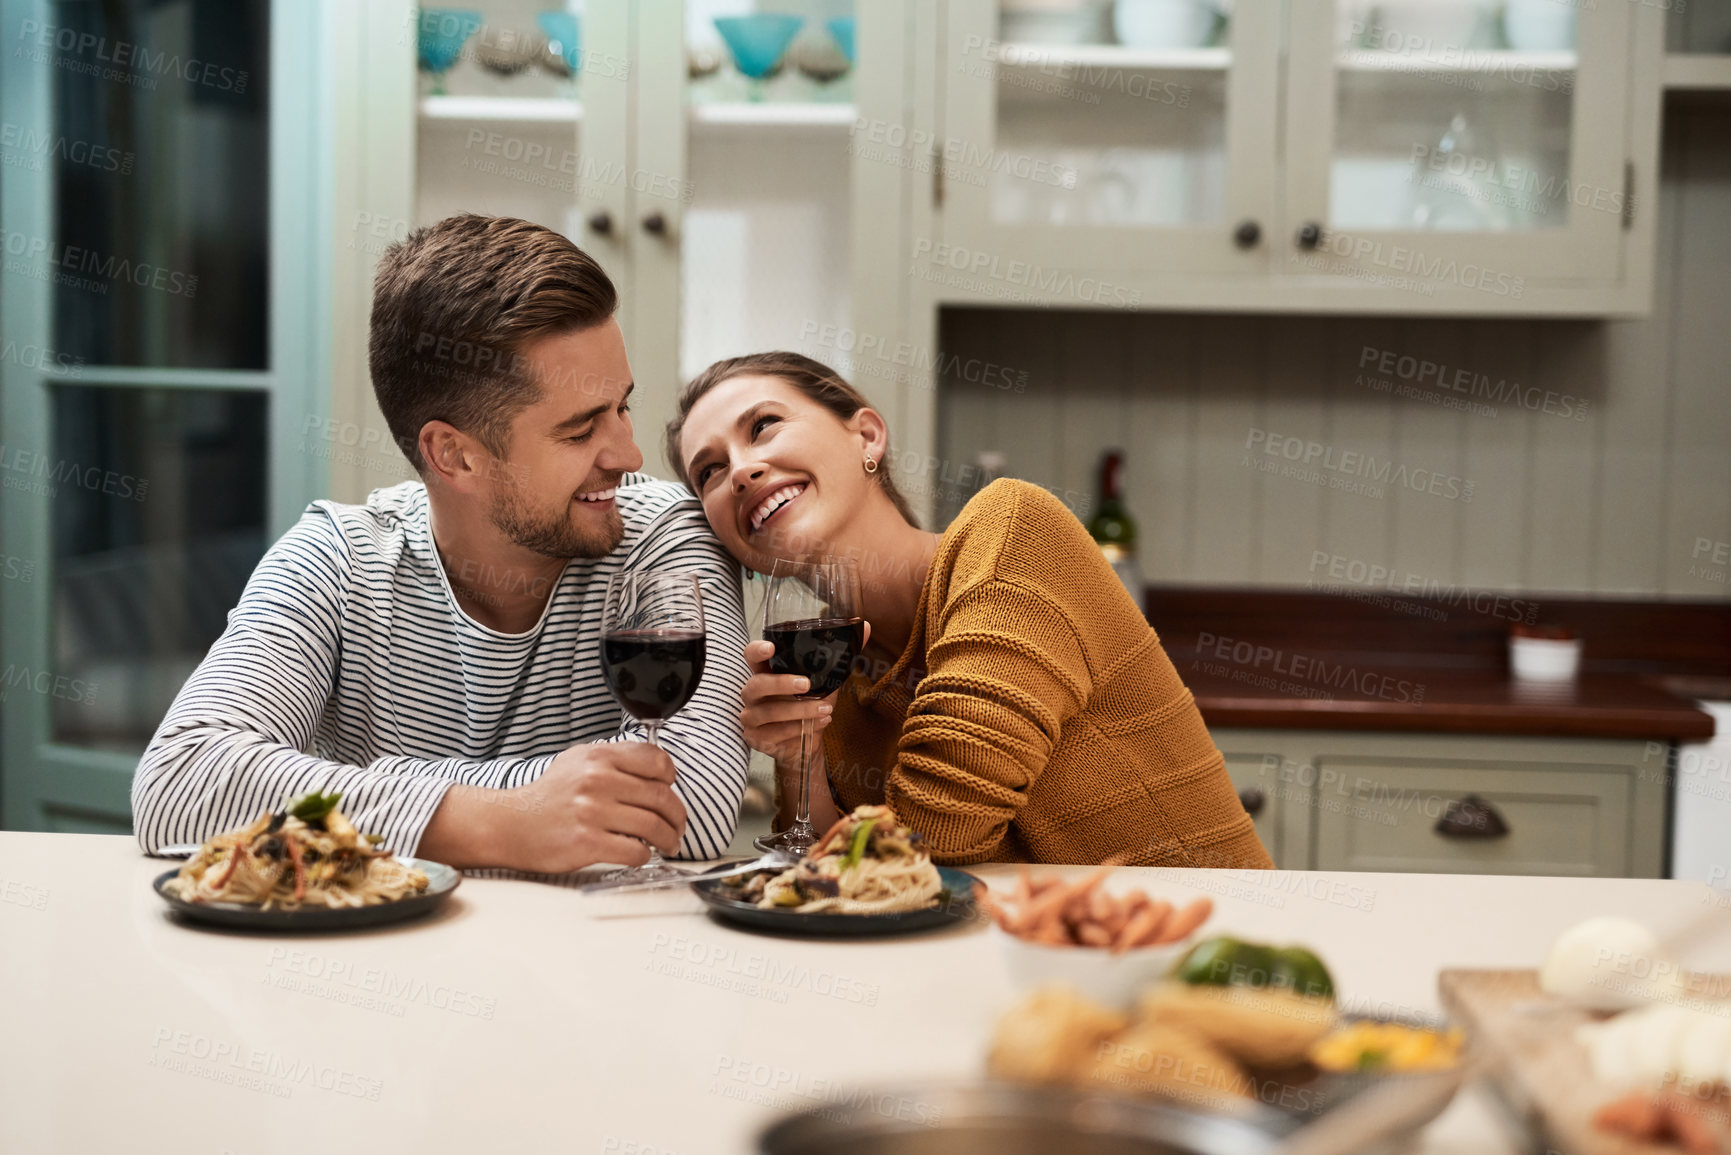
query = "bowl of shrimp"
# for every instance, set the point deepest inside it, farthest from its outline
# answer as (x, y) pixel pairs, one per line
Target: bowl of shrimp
(1107, 943)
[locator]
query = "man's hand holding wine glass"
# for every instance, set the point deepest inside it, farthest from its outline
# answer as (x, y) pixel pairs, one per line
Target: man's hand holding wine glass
(597, 802)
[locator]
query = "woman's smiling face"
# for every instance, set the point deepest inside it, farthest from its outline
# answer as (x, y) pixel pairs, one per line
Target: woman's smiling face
(778, 474)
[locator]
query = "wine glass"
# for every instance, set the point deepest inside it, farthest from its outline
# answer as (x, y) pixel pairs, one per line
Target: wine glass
(758, 42)
(812, 617)
(652, 649)
(439, 40)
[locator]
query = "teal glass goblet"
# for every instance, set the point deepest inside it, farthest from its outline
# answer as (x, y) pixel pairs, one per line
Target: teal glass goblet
(758, 42)
(564, 40)
(440, 34)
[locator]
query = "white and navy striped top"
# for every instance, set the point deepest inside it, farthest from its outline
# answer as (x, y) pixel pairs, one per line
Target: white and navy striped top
(349, 666)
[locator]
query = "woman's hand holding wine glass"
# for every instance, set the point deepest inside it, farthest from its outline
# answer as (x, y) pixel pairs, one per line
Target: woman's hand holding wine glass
(774, 705)
(813, 631)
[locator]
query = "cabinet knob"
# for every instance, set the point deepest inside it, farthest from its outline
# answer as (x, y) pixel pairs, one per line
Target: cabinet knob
(1253, 800)
(1309, 236)
(1247, 234)
(655, 224)
(1471, 817)
(601, 222)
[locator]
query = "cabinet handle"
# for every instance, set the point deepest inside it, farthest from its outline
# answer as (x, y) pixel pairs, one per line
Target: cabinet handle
(1309, 236)
(601, 222)
(655, 224)
(1471, 817)
(1247, 234)
(1253, 800)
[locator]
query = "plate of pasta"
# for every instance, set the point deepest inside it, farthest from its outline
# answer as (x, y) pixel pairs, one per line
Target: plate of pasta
(867, 875)
(303, 867)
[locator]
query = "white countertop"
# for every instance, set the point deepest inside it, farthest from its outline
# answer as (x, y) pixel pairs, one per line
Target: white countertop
(523, 1016)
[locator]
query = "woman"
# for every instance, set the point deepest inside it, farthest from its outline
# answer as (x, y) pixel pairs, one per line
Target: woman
(1018, 707)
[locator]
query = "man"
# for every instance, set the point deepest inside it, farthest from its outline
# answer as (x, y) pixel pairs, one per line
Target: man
(432, 655)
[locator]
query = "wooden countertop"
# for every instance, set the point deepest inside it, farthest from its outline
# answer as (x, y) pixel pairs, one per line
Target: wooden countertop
(1373, 660)
(1451, 702)
(523, 1016)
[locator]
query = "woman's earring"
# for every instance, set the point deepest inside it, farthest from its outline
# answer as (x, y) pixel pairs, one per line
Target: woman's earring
(871, 465)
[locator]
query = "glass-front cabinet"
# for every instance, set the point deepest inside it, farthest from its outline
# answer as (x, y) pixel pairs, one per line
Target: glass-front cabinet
(1389, 155)
(1107, 136)
(1421, 135)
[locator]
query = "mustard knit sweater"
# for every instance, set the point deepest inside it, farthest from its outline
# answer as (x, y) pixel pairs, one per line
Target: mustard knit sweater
(1034, 715)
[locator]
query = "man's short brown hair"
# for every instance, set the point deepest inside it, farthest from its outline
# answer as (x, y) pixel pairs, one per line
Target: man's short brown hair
(453, 305)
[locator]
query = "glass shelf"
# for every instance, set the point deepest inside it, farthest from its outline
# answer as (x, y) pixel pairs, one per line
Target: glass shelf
(556, 110)
(504, 109)
(1030, 55)
(1489, 60)
(773, 114)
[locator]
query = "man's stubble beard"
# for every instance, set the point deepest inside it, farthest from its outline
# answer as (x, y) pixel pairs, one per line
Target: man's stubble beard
(552, 535)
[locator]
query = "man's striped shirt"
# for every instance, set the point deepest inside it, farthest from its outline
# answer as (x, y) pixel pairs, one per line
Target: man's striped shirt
(349, 666)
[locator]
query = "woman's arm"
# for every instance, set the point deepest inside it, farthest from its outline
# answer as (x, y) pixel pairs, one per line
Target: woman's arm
(1005, 671)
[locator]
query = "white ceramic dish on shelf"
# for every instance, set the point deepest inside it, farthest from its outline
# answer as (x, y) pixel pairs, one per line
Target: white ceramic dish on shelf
(1418, 27)
(1159, 24)
(1052, 21)
(1539, 25)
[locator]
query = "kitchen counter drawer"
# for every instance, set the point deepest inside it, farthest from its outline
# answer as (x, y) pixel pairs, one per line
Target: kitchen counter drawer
(1556, 820)
(1354, 801)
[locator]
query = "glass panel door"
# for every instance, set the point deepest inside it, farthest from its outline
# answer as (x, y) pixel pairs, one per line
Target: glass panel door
(1135, 136)
(1430, 135)
(1699, 29)
(764, 203)
(158, 201)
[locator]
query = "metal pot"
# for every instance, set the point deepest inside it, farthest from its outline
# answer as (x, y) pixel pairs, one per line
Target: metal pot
(1005, 1119)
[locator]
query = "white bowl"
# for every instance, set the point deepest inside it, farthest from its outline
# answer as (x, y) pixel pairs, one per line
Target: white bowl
(1539, 25)
(1163, 23)
(1112, 980)
(1544, 659)
(1423, 27)
(1051, 21)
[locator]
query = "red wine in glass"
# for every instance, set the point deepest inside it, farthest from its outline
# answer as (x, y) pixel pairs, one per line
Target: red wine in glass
(653, 644)
(812, 616)
(653, 673)
(822, 649)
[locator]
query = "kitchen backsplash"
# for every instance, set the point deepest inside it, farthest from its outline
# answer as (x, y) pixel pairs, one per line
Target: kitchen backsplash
(1522, 455)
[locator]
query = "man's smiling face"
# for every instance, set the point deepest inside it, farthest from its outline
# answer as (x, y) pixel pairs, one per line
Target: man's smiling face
(566, 451)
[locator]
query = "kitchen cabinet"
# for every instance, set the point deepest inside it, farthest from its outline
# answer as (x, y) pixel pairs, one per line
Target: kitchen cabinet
(1314, 157)
(1452, 803)
(1324, 155)
(720, 209)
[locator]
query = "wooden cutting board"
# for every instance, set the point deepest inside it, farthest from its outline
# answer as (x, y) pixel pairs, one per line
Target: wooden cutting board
(1526, 1038)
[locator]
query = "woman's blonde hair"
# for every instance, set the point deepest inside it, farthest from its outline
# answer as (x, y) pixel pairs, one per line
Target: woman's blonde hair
(813, 378)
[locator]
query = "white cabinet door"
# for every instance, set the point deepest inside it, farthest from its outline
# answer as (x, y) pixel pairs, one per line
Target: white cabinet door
(1139, 161)
(1456, 148)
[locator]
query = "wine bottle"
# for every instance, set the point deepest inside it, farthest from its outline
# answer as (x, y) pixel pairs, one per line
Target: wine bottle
(1113, 527)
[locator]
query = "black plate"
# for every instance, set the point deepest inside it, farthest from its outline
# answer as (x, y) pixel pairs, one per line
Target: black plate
(955, 904)
(441, 881)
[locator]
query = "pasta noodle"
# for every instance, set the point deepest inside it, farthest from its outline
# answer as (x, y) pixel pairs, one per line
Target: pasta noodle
(864, 864)
(307, 854)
